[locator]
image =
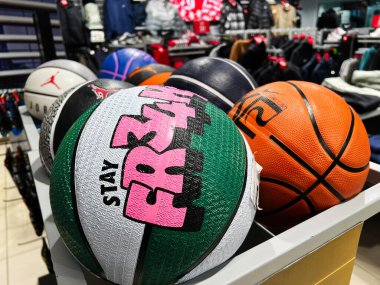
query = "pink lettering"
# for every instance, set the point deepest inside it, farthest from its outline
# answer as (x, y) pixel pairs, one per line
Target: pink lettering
(156, 178)
(162, 124)
(169, 94)
(161, 213)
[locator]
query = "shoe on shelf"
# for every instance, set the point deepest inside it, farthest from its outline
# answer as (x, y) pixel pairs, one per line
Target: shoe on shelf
(375, 34)
(336, 35)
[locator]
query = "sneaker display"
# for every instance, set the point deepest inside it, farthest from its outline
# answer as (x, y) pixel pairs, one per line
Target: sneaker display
(375, 34)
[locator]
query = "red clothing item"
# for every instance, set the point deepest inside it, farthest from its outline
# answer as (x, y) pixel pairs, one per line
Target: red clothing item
(197, 10)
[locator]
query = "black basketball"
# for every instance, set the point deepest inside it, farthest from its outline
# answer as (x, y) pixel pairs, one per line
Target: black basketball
(67, 109)
(219, 80)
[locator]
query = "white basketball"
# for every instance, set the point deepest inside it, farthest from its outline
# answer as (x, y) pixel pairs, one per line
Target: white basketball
(51, 80)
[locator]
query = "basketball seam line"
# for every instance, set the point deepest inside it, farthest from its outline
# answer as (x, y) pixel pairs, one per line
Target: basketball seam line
(128, 65)
(320, 178)
(110, 73)
(206, 87)
(74, 199)
(116, 65)
(61, 67)
(311, 188)
(138, 274)
(313, 120)
(40, 93)
(57, 115)
(319, 135)
(352, 169)
(292, 188)
(218, 240)
(240, 71)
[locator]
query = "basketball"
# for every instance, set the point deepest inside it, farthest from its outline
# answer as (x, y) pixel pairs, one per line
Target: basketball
(219, 80)
(67, 108)
(313, 148)
(119, 64)
(50, 80)
(139, 187)
(152, 74)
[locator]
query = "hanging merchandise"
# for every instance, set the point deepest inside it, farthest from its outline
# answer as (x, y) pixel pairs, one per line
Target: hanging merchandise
(118, 18)
(375, 148)
(285, 16)
(260, 16)
(370, 60)
(198, 10)
(10, 119)
(239, 48)
(347, 69)
(92, 17)
(254, 57)
(71, 21)
(93, 22)
(162, 15)
(328, 20)
(232, 17)
(139, 14)
(327, 67)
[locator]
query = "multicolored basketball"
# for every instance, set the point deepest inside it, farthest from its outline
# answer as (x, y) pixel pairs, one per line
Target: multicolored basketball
(50, 80)
(153, 185)
(220, 80)
(119, 64)
(67, 109)
(152, 74)
(313, 148)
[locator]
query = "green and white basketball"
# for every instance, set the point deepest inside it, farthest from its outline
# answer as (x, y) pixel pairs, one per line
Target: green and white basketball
(153, 185)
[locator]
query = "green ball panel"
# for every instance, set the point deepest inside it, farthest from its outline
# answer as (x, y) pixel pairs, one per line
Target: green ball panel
(223, 181)
(62, 199)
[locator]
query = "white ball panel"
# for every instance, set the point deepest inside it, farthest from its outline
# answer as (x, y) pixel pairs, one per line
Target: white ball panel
(114, 239)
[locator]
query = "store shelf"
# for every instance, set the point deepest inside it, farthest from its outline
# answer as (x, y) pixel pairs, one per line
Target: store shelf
(16, 20)
(261, 259)
(24, 38)
(138, 46)
(30, 128)
(189, 50)
(22, 55)
(67, 270)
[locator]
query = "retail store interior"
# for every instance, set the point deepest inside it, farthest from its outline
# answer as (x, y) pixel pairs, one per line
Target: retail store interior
(189, 142)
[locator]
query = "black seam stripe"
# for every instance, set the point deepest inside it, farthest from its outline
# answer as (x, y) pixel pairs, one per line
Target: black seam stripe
(217, 241)
(324, 145)
(352, 169)
(313, 121)
(294, 156)
(321, 179)
(292, 188)
(139, 270)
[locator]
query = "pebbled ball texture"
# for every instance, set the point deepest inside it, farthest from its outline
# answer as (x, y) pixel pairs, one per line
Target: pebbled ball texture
(67, 108)
(221, 81)
(153, 185)
(313, 148)
(119, 64)
(152, 74)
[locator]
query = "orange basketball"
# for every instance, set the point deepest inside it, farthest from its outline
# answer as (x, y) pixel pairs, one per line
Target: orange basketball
(313, 148)
(152, 74)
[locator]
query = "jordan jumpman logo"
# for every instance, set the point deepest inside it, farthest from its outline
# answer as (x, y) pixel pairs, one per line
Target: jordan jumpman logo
(52, 81)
